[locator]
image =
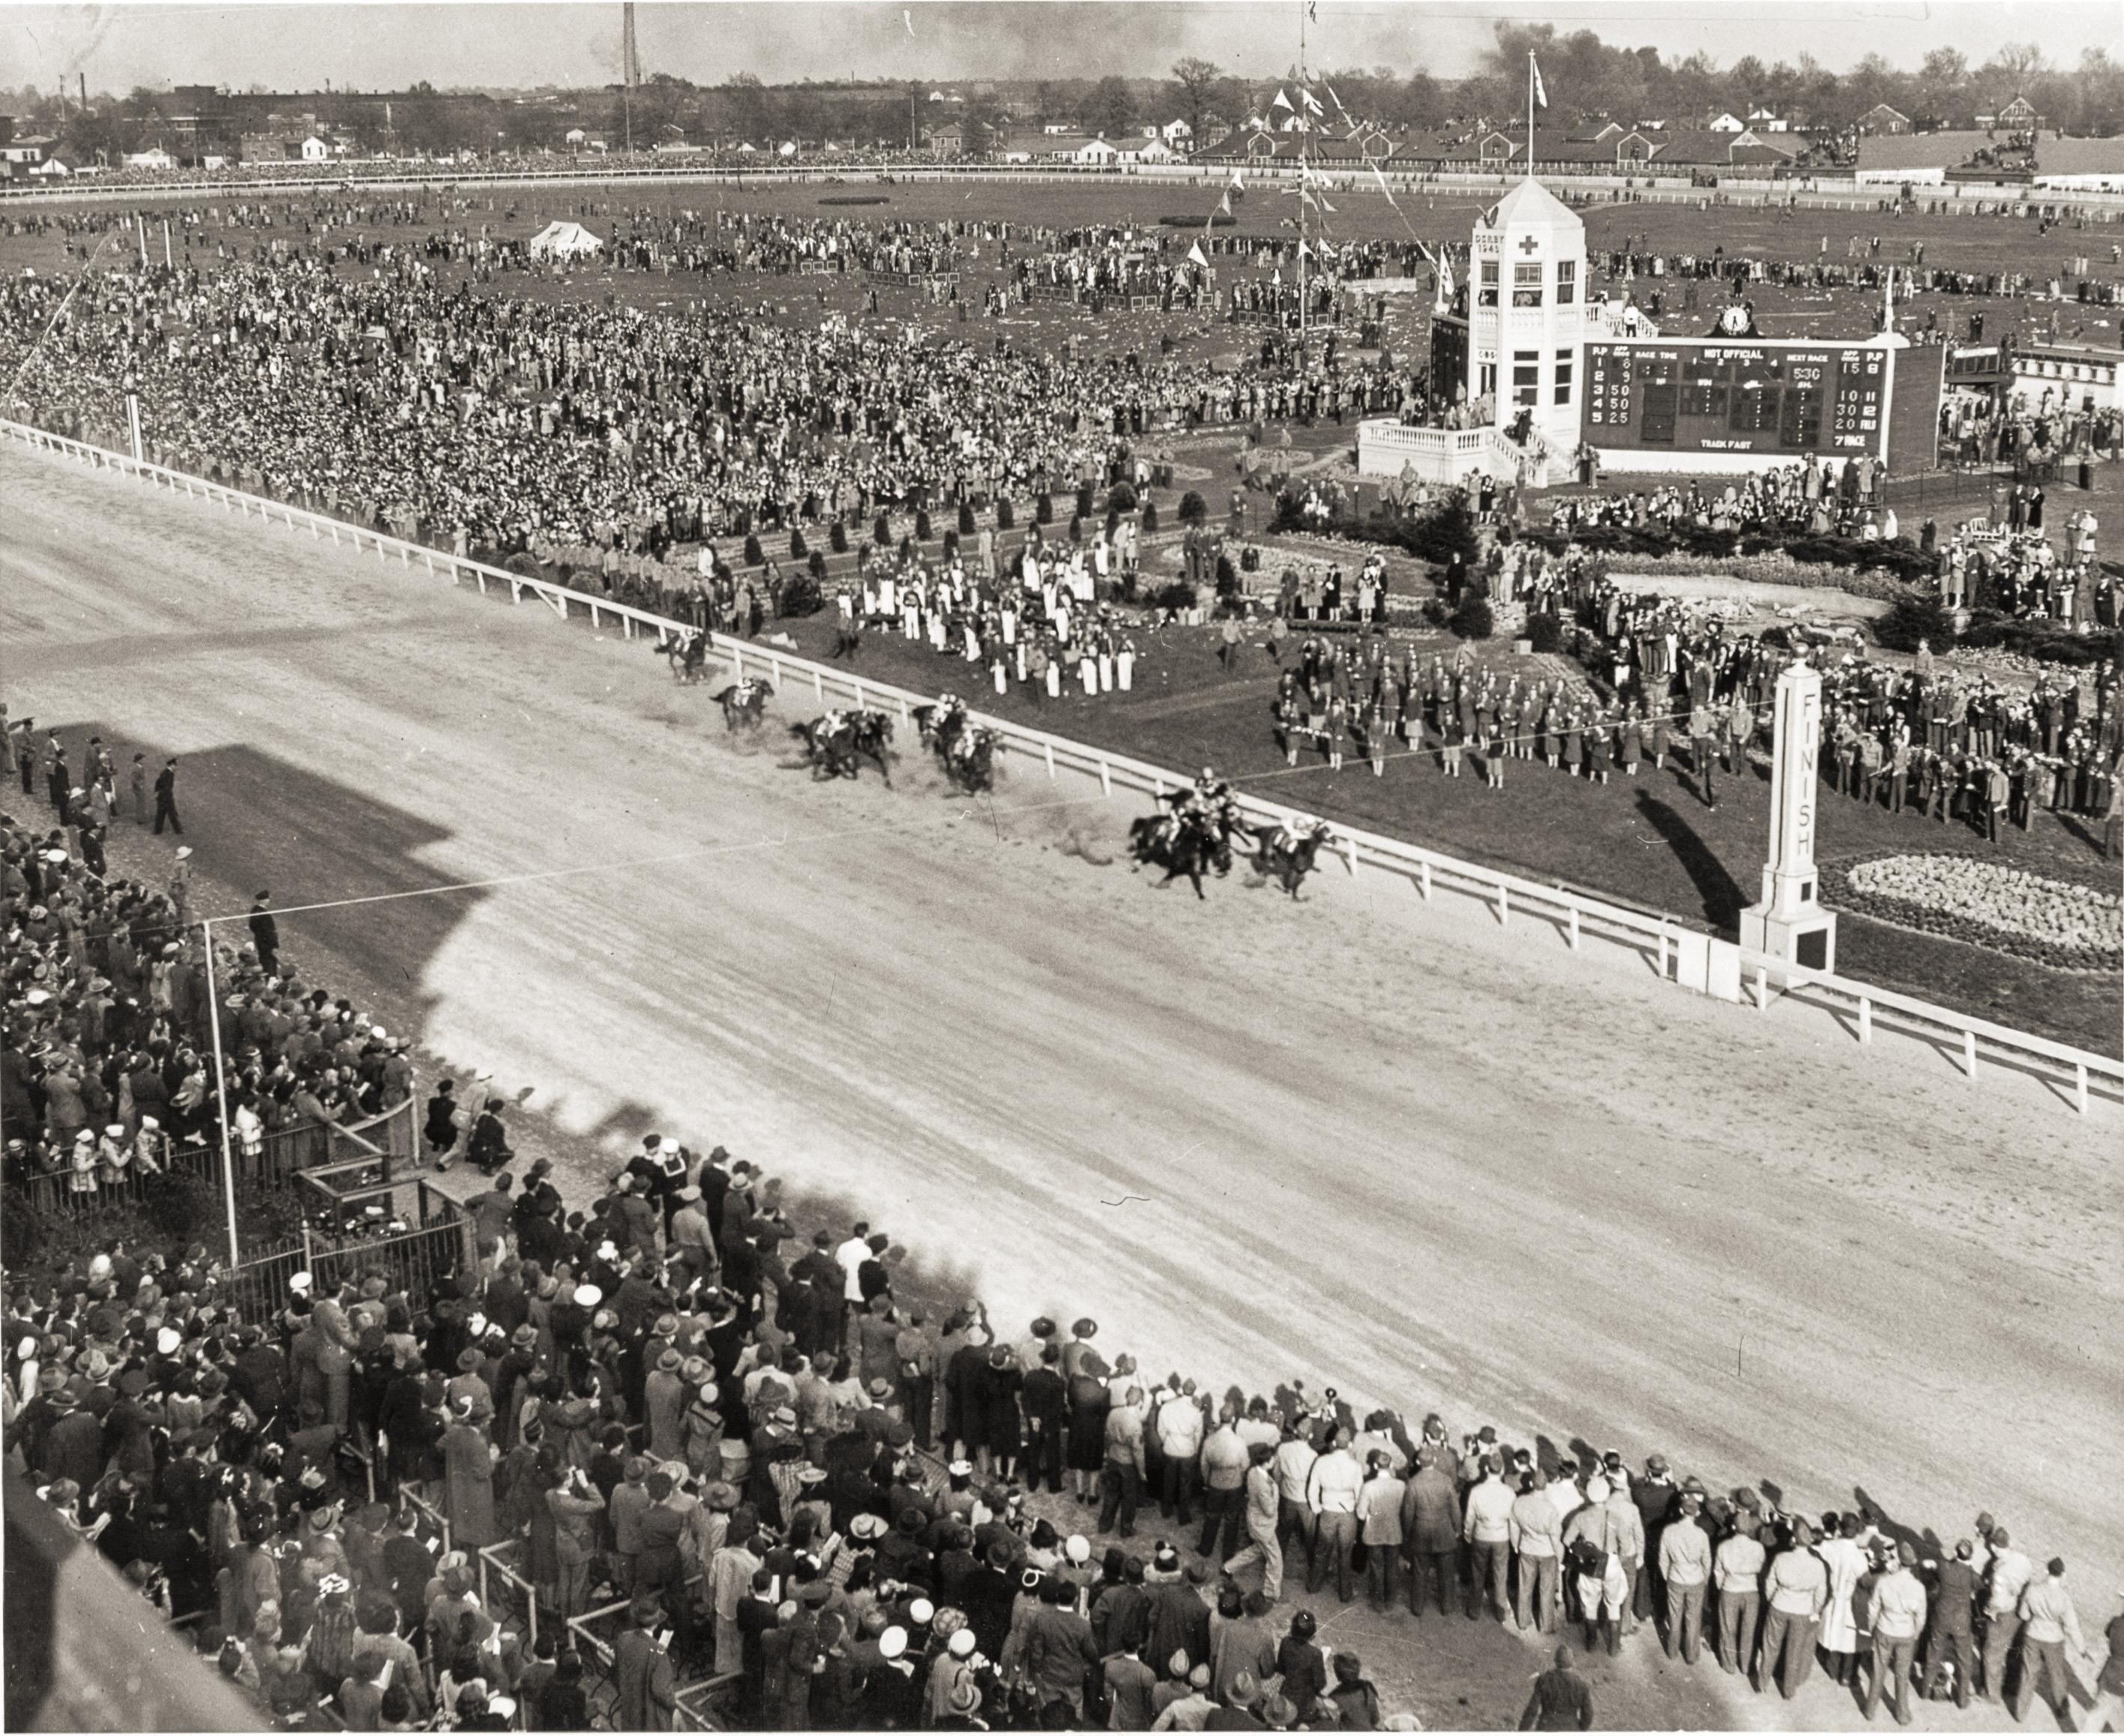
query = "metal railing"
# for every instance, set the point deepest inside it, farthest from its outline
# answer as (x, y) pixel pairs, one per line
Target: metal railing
(1574, 916)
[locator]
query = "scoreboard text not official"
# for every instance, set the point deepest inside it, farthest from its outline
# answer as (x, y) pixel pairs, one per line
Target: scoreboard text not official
(1768, 398)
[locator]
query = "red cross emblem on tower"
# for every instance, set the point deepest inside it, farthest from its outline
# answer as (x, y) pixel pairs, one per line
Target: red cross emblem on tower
(1528, 245)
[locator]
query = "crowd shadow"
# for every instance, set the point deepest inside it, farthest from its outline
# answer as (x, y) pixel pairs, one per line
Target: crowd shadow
(1723, 899)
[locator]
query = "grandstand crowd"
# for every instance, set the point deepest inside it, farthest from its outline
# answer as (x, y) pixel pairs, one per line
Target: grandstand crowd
(736, 1455)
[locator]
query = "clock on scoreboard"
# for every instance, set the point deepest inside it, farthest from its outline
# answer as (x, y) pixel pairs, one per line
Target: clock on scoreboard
(1711, 395)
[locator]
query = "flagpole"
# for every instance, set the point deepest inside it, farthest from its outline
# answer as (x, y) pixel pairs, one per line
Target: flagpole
(1530, 155)
(1304, 166)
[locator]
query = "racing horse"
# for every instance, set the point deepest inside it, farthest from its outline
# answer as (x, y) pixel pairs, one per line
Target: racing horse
(836, 744)
(688, 654)
(971, 768)
(1183, 842)
(941, 726)
(1286, 857)
(744, 703)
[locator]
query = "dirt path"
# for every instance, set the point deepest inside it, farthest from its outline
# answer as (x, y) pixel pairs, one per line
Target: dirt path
(1360, 1141)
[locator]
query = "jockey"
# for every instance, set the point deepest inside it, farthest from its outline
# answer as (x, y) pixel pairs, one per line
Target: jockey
(831, 724)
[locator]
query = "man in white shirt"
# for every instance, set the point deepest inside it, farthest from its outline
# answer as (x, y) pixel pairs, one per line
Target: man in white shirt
(1899, 1615)
(1331, 1496)
(1684, 1567)
(1179, 1428)
(1487, 1530)
(850, 1256)
(2011, 1570)
(1291, 1466)
(1537, 1540)
(1737, 1569)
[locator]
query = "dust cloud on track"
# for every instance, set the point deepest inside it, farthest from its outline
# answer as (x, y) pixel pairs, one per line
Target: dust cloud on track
(1359, 1140)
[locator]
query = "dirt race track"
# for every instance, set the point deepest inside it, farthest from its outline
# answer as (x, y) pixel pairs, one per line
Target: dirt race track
(1360, 1141)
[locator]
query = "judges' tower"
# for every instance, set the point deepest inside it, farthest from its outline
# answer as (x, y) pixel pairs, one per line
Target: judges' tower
(1527, 313)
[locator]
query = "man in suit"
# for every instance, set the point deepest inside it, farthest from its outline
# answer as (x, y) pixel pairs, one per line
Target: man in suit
(166, 799)
(265, 934)
(642, 1671)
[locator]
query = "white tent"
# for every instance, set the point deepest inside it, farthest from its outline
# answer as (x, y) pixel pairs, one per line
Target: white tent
(564, 240)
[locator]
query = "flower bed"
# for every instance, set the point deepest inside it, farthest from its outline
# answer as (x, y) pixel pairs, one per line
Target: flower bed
(2057, 923)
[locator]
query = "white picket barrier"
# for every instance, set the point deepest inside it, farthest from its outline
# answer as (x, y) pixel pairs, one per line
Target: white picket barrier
(2078, 1074)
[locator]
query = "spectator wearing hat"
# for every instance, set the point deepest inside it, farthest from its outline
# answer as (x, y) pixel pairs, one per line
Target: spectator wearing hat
(1244, 1640)
(642, 1672)
(1058, 1651)
(1684, 1574)
(1561, 1700)
(1224, 1460)
(1184, 1703)
(1951, 1626)
(1431, 1520)
(1262, 1512)
(2049, 1624)
(1379, 1527)
(468, 1475)
(1797, 1588)
(1736, 1568)
(1899, 1603)
(2006, 1578)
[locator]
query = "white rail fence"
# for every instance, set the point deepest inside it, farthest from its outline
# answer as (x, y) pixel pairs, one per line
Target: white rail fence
(1679, 952)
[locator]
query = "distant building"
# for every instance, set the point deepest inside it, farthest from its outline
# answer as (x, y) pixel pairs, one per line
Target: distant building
(153, 157)
(315, 149)
(2017, 116)
(28, 151)
(1881, 118)
(1726, 123)
(948, 140)
(1768, 120)
(1096, 150)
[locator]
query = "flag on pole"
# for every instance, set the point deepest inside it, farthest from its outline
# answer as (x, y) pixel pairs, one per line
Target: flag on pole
(1540, 95)
(1238, 185)
(1310, 100)
(1197, 256)
(1281, 101)
(1445, 302)
(1224, 204)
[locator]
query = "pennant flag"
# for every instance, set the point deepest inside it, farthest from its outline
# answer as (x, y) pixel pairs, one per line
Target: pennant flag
(1304, 252)
(1281, 101)
(1310, 100)
(1540, 95)
(1238, 185)
(1198, 256)
(1444, 283)
(1224, 204)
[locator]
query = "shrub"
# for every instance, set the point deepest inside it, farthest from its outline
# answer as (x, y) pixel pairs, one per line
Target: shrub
(881, 531)
(1178, 594)
(1149, 516)
(1006, 514)
(950, 543)
(1546, 630)
(1912, 619)
(1474, 619)
(1043, 508)
(797, 548)
(1076, 527)
(801, 594)
(922, 524)
(1084, 500)
(966, 518)
(753, 556)
(1120, 498)
(816, 566)
(838, 537)
(1227, 578)
(1192, 511)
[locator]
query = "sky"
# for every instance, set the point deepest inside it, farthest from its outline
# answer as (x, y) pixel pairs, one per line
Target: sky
(503, 44)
